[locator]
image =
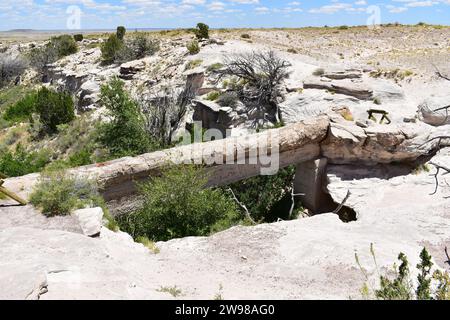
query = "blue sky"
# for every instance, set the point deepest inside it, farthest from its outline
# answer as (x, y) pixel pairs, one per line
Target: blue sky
(104, 14)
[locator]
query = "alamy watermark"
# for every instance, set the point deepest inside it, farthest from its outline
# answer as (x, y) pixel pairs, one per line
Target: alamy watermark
(73, 21)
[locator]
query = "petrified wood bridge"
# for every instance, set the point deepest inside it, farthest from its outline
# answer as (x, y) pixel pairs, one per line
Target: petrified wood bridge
(310, 145)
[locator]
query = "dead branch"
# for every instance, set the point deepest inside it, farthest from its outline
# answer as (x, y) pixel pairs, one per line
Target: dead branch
(440, 75)
(261, 73)
(436, 175)
(247, 213)
(342, 203)
(440, 138)
(448, 257)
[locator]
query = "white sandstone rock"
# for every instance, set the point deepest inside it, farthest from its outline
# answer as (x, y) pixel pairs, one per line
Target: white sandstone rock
(90, 220)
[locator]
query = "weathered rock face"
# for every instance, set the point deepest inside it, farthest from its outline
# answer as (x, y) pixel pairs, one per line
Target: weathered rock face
(355, 89)
(89, 94)
(311, 103)
(343, 74)
(349, 143)
(435, 111)
(129, 69)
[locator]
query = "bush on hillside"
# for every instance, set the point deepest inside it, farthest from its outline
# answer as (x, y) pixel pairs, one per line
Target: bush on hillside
(430, 285)
(11, 68)
(21, 110)
(54, 108)
(65, 45)
(57, 193)
(125, 134)
(177, 205)
(193, 47)
(57, 48)
(202, 31)
(135, 48)
(142, 46)
(78, 37)
(20, 162)
(111, 49)
(120, 32)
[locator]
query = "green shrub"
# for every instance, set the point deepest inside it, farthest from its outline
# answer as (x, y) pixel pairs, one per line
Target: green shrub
(111, 49)
(56, 48)
(22, 109)
(245, 36)
(266, 197)
(193, 47)
(430, 286)
(120, 32)
(137, 47)
(11, 68)
(177, 205)
(343, 27)
(202, 31)
(142, 46)
(213, 96)
(54, 108)
(193, 64)
(57, 193)
(228, 99)
(215, 67)
(65, 45)
(20, 162)
(125, 134)
(78, 37)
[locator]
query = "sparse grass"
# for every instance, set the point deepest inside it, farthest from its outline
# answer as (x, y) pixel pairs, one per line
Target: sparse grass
(219, 295)
(193, 64)
(11, 95)
(149, 244)
(213, 95)
(173, 291)
(396, 74)
(421, 168)
(214, 67)
(292, 50)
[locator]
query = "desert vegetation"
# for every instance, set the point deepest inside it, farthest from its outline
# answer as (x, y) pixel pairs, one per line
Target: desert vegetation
(429, 285)
(178, 204)
(119, 49)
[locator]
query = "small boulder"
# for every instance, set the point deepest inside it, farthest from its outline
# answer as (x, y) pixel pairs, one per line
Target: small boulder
(91, 221)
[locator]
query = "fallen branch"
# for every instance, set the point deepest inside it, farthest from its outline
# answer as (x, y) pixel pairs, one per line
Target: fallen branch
(343, 202)
(436, 175)
(440, 75)
(242, 206)
(448, 257)
(440, 138)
